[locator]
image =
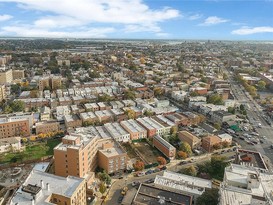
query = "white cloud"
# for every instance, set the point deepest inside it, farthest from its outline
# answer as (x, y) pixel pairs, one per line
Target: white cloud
(248, 31)
(213, 20)
(26, 31)
(131, 14)
(195, 17)
(5, 17)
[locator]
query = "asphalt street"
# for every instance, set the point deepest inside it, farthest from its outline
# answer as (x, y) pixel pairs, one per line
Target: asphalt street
(255, 116)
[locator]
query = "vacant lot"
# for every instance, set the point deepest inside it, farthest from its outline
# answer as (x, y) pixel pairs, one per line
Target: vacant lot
(147, 153)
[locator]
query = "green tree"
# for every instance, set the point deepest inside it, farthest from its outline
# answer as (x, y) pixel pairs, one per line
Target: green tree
(185, 147)
(217, 126)
(17, 106)
(7, 109)
(218, 165)
(174, 130)
(102, 188)
(215, 99)
(191, 170)
(261, 85)
(103, 176)
(130, 94)
(210, 196)
(231, 110)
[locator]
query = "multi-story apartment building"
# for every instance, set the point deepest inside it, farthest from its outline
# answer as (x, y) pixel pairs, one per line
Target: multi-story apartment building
(46, 127)
(18, 74)
(44, 188)
(5, 75)
(76, 155)
(2, 92)
(136, 131)
(165, 147)
(117, 132)
(112, 158)
(153, 127)
(15, 125)
(209, 141)
(52, 82)
(191, 139)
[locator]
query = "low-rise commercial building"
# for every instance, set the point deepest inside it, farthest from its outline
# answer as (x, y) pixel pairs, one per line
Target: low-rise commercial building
(246, 185)
(148, 194)
(192, 186)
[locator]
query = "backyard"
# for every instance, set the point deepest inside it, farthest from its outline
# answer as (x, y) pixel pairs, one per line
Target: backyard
(32, 152)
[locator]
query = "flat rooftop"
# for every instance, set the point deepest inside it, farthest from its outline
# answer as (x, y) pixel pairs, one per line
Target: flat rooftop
(155, 195)
(115, 129)
(133, 126)
(250, 158)
(183, 182)
(57, 185)
(111, 152)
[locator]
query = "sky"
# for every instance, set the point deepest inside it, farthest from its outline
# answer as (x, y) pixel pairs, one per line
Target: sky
(138, 19)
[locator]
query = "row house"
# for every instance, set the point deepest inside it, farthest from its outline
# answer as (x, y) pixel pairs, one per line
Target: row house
(104, 116)
(117, 132)
(136, 131)
(153, 128)
(88, 117)
(72, 121)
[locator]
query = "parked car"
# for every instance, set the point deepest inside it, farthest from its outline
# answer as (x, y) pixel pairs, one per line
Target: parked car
(120, 199)
(134, 183)
(183, 162)
(149, 172)
(140, 174)
(149, 181)
(156, 170)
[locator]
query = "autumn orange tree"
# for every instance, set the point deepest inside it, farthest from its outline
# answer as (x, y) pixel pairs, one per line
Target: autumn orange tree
(182, 155)
(161, 160)
(138, 165)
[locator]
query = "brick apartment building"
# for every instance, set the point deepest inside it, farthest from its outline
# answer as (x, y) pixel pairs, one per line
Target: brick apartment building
(165, 147)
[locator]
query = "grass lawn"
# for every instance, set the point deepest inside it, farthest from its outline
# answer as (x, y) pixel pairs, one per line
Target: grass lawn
(31, 152)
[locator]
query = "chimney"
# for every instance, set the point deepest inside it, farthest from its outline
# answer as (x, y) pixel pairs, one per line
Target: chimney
(42, 183)
(47, 186)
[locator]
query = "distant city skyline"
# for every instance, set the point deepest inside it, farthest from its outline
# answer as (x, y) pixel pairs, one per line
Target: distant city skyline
(137, 19)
